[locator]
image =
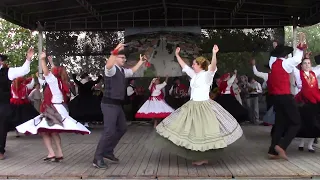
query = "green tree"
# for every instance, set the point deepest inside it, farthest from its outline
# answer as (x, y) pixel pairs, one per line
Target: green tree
(312, 35)
(15, 41)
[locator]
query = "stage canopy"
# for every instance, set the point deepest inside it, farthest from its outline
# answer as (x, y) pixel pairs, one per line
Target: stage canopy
(96, 15)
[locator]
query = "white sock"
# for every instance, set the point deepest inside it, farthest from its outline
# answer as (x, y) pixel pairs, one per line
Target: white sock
(86, 124)
(301, 142)
(310, 144)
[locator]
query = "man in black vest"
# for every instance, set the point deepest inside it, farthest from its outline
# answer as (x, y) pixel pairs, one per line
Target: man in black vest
(132, 97)
(6, 76)
(115, 124)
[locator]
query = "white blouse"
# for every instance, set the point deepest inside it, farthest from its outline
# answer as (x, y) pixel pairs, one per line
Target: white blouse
(57, 96)
(158, 89)
(229, 83)
(200, 83)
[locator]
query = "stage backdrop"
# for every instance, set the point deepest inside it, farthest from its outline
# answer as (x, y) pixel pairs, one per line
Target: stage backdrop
(159, 45)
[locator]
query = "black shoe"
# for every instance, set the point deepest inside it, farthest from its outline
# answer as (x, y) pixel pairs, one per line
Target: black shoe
(300, 148)
(111, 158)
(100, 164)
(311, 150)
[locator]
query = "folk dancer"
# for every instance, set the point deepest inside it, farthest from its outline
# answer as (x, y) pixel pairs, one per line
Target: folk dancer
(309, 98)
(7, 74)
(287, 112)
(114, 118)
(155, 107)
(227, 99)
(54, 117)
(201, 126)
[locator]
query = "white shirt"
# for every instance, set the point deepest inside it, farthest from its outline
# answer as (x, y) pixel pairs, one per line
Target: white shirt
(229, 84)
(130, 91)
(200, 83)
(259, 74)
(41, 81)
(112, 71)
(289, 64)
(158, 89)
(57, 96)
(15, 72)
(256, 85)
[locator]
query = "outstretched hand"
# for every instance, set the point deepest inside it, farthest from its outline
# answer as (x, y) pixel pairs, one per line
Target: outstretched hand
(235, 71)
(143, 58)
(215, 49)
(120, 47)
(43, 56)
(30, 54)
(253, 62)
(177, 50)
(274, 44)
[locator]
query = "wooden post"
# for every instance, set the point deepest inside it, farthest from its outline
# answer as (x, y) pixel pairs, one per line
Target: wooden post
(40, 44)
(294, 45)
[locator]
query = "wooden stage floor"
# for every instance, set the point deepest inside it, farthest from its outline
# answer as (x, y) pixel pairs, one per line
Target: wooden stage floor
(24, 160)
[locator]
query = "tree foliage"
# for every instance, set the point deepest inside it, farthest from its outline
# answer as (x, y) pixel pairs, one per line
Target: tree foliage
(81, 51)
(312, 35)
(15, 41)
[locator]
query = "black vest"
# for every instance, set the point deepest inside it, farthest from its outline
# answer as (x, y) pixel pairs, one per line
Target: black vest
(115, 86)
(5, 86)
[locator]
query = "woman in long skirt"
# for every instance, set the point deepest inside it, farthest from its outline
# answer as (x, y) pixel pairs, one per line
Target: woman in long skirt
(309, 100)
(155, 107)
(54, 117)
(201, 126)
(21, 108)
(227, 98)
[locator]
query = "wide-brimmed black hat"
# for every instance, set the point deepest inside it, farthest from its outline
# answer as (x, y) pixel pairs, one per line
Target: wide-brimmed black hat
(317, 59)
(281, 51)
(84, 75)
(3, 57)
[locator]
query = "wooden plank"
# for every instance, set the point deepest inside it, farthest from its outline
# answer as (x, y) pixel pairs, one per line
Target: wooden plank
(183, 169)
(174, 170)
(164, 164)
(138, 162)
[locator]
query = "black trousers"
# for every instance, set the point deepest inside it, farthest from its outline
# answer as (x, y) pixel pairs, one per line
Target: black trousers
(115, 126)
(269, 101)
(287, 121)
(4, 112)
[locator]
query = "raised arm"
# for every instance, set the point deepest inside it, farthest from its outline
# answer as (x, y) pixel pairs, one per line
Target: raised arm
(140, 62)
(76, 81)
(44, 66)
(24, 69)
(290, 64)
(213, 65)
(297, 77)
(233, 77)
(151, 83)
(185, 68)
(259, 74)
